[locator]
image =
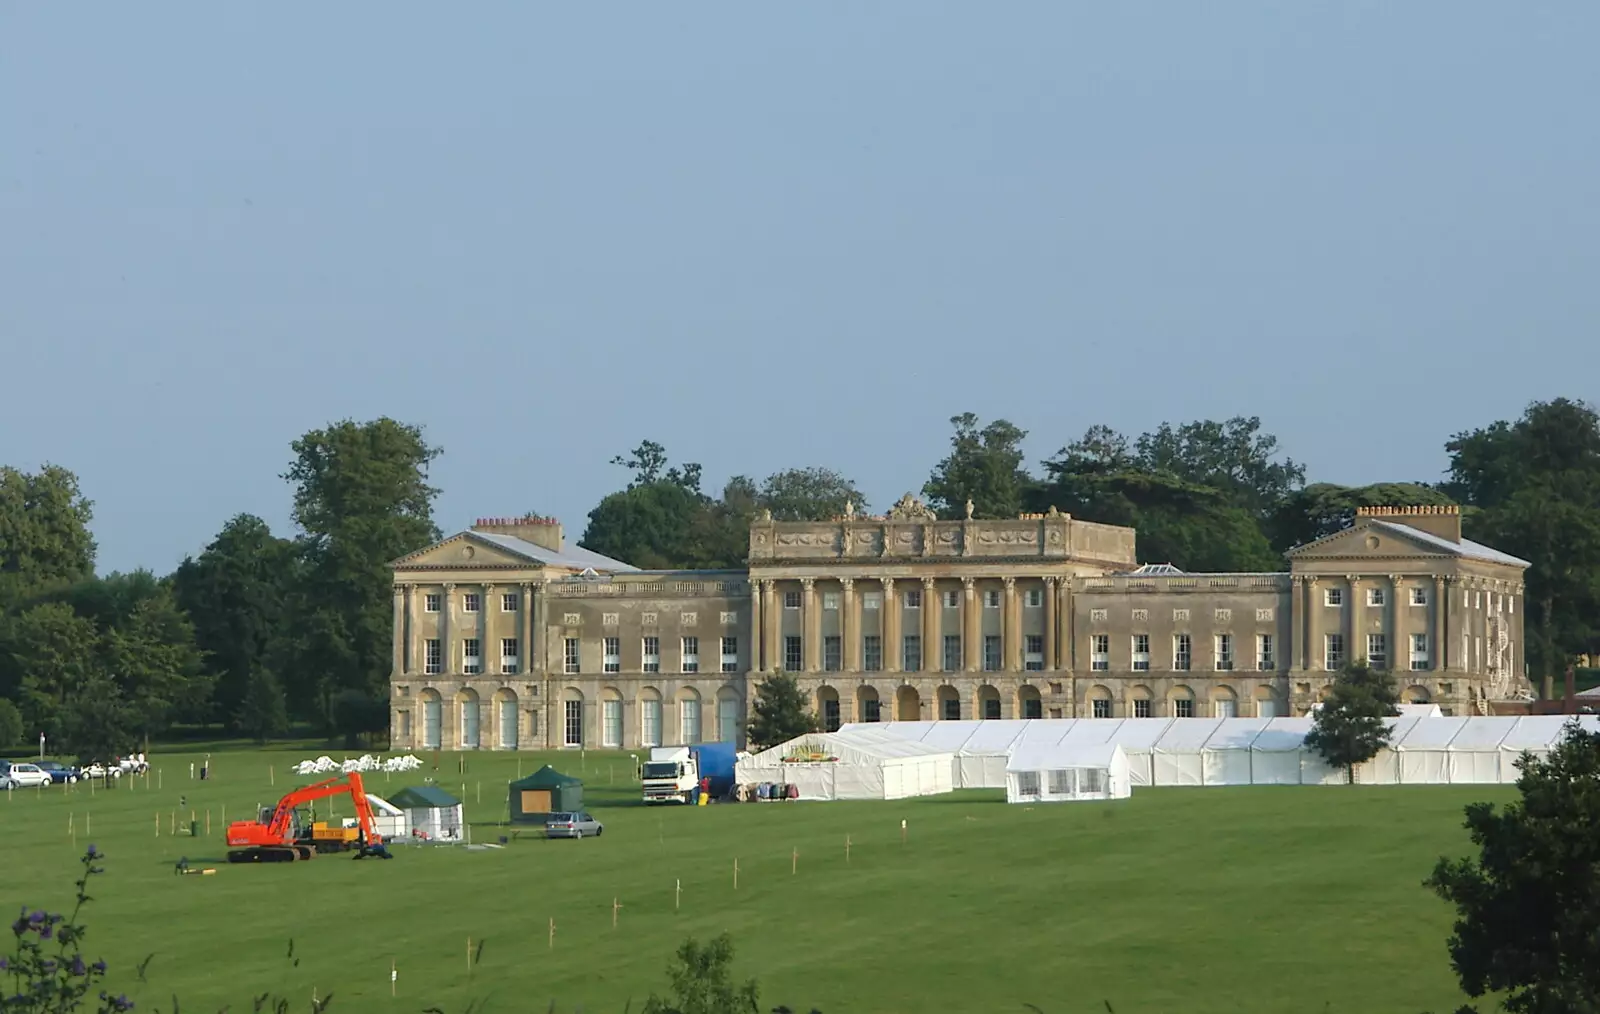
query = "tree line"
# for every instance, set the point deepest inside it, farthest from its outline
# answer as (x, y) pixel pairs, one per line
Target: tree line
(262, 629)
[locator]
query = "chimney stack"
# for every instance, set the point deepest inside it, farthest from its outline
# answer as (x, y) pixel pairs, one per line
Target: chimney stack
(543, 532)
(1442, 520)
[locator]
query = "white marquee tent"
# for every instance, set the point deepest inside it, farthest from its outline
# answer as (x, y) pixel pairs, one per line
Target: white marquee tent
(862, 763)
(1042, 772)
(1425, 749)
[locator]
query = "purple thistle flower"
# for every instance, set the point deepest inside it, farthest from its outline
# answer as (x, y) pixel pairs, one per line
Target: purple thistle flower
(99, 966)
(92, 852)
(37, 917)
(45, 932)
(78, 967)
(4, 964)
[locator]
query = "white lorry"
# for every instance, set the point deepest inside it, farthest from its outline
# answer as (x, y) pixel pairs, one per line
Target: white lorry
(670, 775)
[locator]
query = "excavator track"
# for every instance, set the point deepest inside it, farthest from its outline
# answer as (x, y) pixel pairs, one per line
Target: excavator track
(263, 855)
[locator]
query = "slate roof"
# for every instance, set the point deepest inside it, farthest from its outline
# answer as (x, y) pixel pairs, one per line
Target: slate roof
(1466, 547)
(573, 557)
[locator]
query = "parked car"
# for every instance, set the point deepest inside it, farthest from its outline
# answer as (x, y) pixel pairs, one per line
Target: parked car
(99, 770)
(61, 774)
(22, 776)
(572, 825)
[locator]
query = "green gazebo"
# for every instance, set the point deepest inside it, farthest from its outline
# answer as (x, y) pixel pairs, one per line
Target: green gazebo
(546, 791)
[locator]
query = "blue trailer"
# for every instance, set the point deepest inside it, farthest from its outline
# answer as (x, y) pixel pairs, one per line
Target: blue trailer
(715, 761)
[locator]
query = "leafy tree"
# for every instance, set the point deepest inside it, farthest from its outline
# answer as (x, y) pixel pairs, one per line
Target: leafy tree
(985, 466)
(808, 494)
(1233, 457)
(1191, 526)
(1528, 907)
(52, 656)
(99, 723)
(10, 725)
(152, 657)
(702, 982)
(239, 592)
(780, 711)
(357, 714)
(1349, 728)
(262, 714)
(1324, 508)
(662, 520)
(44, 531)
(1536, 486)
(361, 499)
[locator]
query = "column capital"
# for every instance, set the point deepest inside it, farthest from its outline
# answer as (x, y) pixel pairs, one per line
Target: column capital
(1394, 578)
(847, 583)
(527, 586)
(1010, 582)
(449, 586)
(888, 583)
(968, 584)
(808, 583)
(1051, 582)
(928, 582)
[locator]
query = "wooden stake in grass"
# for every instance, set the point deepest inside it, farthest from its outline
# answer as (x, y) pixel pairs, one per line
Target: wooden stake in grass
(479, 790)
(552, 934)
(902, 832)
(158, 778)
(158, 823)
(614, 907)
(794, 862)
(394, 975)
(677, 895)
(736, 874)
(172, 826)
(272, 774)
(469, 956)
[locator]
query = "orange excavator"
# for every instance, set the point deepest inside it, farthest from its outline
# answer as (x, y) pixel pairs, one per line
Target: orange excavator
(277, 836)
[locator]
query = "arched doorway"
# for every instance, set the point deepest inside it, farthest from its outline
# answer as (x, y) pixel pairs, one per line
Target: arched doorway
(432, 719)
(467, 707)
(572, 717)
(988, 702)
(689, 716)
(949, 703)
(1180, 702)
(1100, 702)
(611, 718)
(1141, 701)
(1029, 703)
(1224, 702)
(907, 704)
(505, 706)
(728, 715)
(1267, 703)
(828, 708)
(1416, 695)
(650, 717)
(868, 706)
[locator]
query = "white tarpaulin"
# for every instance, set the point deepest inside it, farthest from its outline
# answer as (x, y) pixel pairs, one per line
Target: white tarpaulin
(1275, 754)
(858, 764)
(1475, 750)
(1425, 751)
(1138, 738)
(1536, 734)
(1179, 753)
(1384, 769)
(1043, 772)
(1226, 758)
(981, 758)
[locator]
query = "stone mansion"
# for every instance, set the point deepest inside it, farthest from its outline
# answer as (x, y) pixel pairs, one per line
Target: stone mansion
(505, 637)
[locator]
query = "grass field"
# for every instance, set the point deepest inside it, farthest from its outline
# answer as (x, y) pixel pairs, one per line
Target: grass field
(1194, 900)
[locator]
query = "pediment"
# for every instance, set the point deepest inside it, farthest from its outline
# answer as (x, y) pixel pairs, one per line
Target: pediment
(1365, 541)
(465, 550)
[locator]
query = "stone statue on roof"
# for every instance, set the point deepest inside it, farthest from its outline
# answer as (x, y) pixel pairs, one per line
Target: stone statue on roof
(909, 508)
(969, 508)
(849, 510)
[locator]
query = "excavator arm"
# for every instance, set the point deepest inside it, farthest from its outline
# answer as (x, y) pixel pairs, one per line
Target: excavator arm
(272, 841)
(349, 784)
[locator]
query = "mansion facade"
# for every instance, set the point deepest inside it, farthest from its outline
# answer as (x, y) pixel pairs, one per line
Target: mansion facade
(507, 638)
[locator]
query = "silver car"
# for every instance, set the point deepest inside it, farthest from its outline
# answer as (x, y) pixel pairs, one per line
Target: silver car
(572, 825)
(22, 776)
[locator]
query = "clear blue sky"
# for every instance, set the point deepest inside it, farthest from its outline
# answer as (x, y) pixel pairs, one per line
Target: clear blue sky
(770, 235)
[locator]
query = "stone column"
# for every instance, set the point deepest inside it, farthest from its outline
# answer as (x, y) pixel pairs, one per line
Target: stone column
(1297, 621)
(447, 653)
(971, 628)
(774, 626)
(892, 648)
(525, 629)
(1011, 636)
(755, 627)
(487, 660)
(810, 626)
(1050, 612)
(849, 625)
(932, 650)
(538, 650)
(1443, 596)
(1313, 628)
(1354, 647)
(1397, 663)
(401, 595)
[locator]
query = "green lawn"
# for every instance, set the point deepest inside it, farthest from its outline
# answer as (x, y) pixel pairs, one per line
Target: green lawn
(1278, 900)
